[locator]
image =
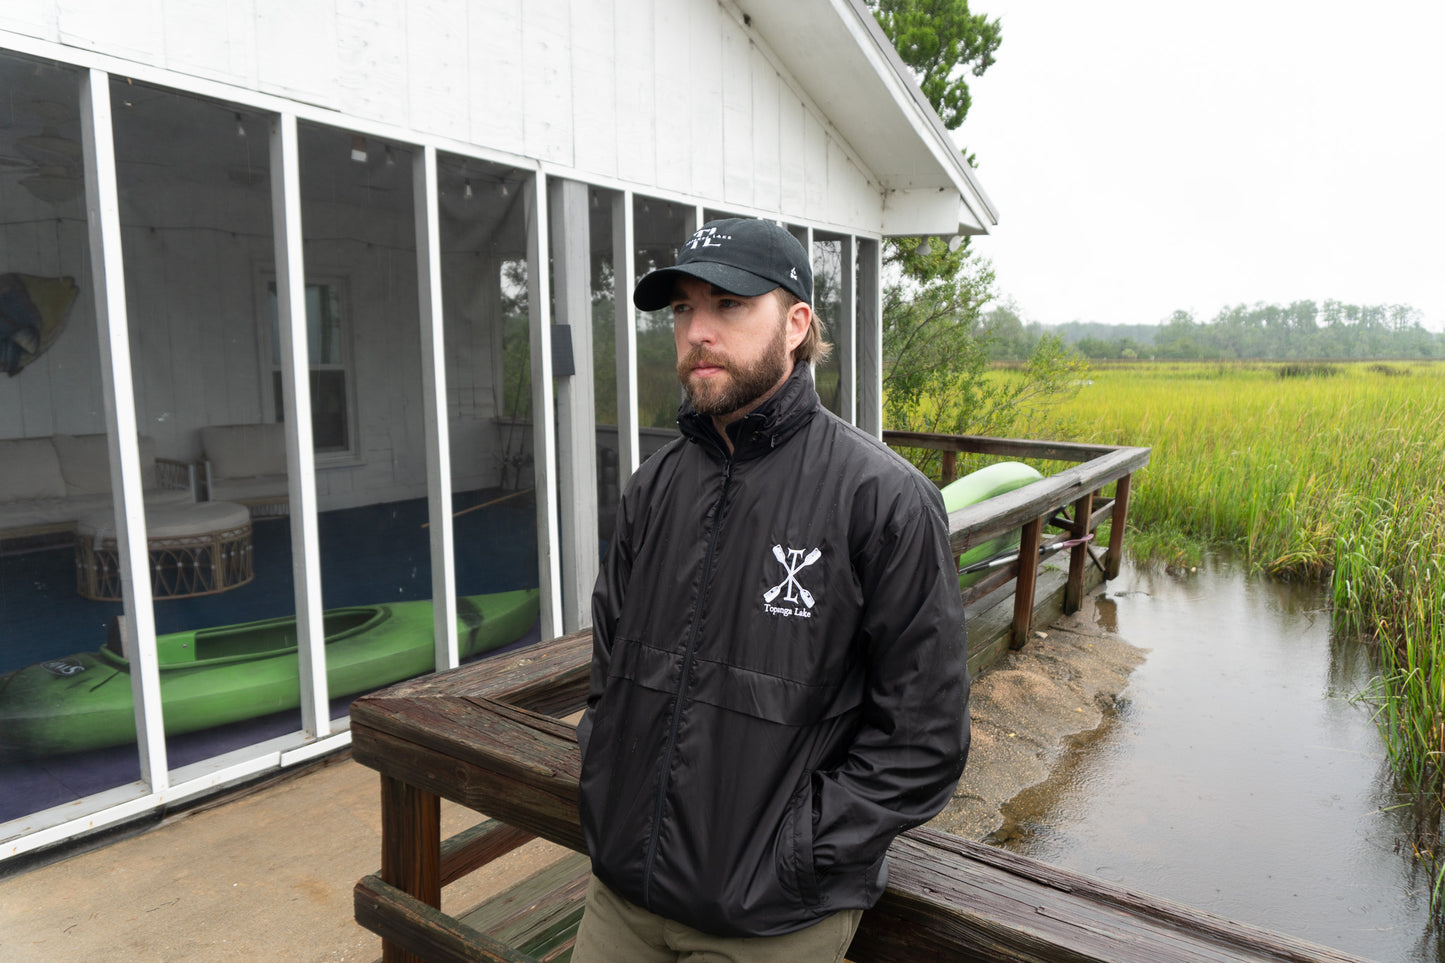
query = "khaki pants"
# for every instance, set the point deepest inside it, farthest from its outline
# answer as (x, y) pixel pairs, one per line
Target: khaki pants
(616, 931)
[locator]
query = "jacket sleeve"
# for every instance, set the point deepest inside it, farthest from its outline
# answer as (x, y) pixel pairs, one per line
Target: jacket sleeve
(912, 743)
(607, 596)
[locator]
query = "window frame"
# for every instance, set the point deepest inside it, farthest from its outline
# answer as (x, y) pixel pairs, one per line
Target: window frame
(268, 357)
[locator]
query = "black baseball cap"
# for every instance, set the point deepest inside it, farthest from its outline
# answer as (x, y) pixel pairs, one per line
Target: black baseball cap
(741, 255)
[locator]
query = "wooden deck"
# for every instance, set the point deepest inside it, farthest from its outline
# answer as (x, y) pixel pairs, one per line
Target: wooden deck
(489, 736)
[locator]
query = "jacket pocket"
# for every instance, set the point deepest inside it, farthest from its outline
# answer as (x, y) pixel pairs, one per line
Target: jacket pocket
(796, 871)
(771, 698)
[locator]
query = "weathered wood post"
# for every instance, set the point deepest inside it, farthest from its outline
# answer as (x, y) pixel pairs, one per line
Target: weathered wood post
(1078, 554)
(1116, 527)
(410, 850)
(1028, 579)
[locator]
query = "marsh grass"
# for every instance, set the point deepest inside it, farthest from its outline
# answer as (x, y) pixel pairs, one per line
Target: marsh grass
(1307, 370)
(1330, 472)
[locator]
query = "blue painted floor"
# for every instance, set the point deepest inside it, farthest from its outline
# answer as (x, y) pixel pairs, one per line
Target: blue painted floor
(379, 553)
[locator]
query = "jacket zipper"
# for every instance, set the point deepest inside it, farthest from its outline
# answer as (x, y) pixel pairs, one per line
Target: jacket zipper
(682, 686)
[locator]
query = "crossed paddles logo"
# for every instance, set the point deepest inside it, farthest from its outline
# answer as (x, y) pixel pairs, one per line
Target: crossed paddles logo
(793, 560)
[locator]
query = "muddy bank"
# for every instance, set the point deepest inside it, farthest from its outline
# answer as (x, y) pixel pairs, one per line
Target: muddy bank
(1031, 707)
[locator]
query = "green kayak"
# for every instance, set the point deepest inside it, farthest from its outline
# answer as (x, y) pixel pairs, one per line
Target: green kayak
(210, 677)
(980, 486)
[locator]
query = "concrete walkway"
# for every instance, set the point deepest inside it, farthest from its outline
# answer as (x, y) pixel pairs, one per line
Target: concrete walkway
(267, 876)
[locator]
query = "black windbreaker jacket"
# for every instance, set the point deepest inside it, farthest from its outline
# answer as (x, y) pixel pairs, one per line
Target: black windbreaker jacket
(779, 682)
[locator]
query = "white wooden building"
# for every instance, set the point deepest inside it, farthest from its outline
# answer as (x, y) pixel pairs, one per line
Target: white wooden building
(409, 222)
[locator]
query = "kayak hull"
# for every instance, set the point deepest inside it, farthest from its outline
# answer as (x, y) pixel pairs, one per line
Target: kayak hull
(980, 486)
(210, 677)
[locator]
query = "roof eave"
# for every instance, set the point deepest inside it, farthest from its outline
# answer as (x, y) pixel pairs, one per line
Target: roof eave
(846, 68)
(910, 97)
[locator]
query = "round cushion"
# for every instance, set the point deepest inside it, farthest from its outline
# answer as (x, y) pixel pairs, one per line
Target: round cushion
(171, 521)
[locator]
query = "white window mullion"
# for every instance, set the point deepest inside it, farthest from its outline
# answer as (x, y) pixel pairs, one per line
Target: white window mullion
(300, 451)
(102, 203)
(807, 241)
(544, 430)
(624, 278)
(847, 328)
(569, 213)
(869, 336)
(425, 197)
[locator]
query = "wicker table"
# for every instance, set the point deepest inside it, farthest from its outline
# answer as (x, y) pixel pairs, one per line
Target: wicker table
(197, 548)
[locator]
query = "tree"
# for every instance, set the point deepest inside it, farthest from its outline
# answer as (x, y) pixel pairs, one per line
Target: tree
(936, 350)
(1098, 348)
(930, 334)
(936, 341)
(941, 40)
(1009, 339)
(1281, 332)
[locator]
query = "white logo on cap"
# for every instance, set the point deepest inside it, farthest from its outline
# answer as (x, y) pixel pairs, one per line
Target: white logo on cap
(707, 237)
(793, 273)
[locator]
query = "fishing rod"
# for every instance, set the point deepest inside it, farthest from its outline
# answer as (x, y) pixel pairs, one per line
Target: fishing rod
(494, 501)
(998, 561)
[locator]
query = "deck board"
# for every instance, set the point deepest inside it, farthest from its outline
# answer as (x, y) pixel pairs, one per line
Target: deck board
(947, 898)
(486, 735)
(539, 915)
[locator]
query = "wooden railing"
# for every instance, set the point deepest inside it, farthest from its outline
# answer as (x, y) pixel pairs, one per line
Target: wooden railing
(489, 736)
(1071, 501)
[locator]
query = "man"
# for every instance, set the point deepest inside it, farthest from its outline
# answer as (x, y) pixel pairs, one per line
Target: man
(779, 682)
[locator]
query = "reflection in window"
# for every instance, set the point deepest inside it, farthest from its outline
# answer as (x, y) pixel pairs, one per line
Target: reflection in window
(54, 466)
(658, 228)
(515, 383)
(330, 407)
(484, 239)
(605, 318)
(828, 303)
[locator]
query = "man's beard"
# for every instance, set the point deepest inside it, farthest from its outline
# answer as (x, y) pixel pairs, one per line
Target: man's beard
(740, 385)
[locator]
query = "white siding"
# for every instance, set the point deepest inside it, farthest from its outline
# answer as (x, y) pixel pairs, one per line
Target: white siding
(372, 62)
(125, 30)
(703, 72)
(594, 107)
(495, 83)
(548, 82)
(792, 141)
(816, 190)
(738, 150)
(297, 51)
(33, 18)
(636, 120)
(675, 95)
(767, 158)
(212, 40)
(437, 57)
(670, 64)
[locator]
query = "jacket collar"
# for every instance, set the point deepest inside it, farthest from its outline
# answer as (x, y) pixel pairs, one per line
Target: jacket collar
(765, 427)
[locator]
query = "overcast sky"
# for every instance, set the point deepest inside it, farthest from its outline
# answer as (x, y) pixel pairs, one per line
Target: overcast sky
(1149, 155)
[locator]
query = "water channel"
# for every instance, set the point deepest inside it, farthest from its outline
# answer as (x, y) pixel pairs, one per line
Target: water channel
(1239, 777)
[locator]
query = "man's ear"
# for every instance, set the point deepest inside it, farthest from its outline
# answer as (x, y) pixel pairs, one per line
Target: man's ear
(800, 316)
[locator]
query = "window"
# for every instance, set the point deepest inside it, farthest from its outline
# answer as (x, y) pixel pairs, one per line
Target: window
(326, 349)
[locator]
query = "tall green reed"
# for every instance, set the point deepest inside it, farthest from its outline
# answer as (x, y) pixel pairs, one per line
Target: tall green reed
(1333, 478)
